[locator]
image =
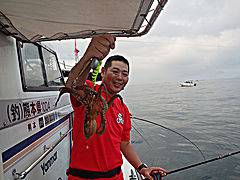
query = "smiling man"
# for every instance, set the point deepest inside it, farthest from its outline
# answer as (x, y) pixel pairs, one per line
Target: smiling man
(115, 74)
(99, 155)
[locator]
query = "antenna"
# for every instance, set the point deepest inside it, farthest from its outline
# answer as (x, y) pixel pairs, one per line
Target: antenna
(76, 51)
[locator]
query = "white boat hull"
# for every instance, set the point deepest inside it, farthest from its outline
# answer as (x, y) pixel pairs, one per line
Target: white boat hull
(34, 138)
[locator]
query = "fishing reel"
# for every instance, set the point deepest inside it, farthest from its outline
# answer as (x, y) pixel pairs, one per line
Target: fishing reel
(94, 63)
(156, 176)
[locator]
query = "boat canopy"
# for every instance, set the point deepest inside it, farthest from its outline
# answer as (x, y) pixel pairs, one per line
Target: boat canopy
(47, 20)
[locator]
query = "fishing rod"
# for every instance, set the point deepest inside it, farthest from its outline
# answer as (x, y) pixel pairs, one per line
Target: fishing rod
(145, 120)
(203, 162)
(159, 176)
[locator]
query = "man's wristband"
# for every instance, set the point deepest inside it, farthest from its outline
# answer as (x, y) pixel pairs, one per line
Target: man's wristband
(141, 166)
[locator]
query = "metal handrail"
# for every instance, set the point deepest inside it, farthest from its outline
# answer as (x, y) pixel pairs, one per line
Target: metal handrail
(24, 173)
(150, 22)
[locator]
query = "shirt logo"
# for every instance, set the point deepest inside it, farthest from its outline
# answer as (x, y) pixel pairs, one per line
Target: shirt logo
(120, 119)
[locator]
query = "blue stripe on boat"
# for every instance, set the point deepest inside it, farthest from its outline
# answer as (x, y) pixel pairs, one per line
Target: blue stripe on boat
(6, 155)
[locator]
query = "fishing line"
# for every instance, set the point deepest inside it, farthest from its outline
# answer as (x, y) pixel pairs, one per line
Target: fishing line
(145, 120)
(141, 135)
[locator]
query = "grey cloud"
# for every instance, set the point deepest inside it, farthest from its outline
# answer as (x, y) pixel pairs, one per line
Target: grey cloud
(191, 39)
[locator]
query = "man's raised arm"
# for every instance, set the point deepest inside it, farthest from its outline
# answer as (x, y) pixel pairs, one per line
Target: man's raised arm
(99, 48)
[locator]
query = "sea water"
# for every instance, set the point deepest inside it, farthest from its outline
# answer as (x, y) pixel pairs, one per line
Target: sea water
(208, 114)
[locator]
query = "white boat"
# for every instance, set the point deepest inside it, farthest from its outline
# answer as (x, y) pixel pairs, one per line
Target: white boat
(35, 135)
(188, 84)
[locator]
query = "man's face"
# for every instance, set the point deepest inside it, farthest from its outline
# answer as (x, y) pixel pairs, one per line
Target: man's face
(115, 77)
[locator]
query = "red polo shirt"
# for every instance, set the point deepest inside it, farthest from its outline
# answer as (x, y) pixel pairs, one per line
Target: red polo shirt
(100, 152)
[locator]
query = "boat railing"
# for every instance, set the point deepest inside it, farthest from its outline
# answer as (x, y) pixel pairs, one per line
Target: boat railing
(23, 174)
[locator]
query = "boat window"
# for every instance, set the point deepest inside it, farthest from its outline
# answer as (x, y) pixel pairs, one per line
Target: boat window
(39, 66)
(54, 76)
(32, 65)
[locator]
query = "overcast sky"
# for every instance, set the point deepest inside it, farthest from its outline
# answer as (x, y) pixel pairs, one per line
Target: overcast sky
(191, 39)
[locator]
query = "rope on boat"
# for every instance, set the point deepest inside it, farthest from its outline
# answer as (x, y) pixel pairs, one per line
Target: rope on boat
(145, 120)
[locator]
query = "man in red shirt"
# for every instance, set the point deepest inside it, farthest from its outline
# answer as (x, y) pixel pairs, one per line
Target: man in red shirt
(100, 156)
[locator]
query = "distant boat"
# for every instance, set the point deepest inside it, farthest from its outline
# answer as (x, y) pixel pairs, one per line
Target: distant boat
(188, 84)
